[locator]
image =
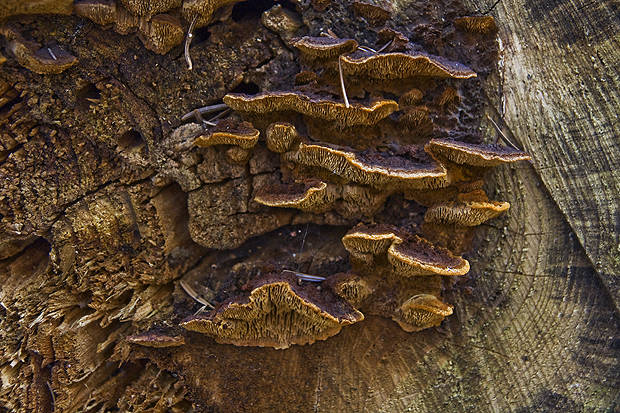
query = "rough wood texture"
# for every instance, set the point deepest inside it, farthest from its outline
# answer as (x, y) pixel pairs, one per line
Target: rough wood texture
(104, 207)
(561, 94)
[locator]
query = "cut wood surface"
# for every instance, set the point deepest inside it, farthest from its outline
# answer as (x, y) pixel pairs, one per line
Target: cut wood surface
(108, 220)
(560, 92)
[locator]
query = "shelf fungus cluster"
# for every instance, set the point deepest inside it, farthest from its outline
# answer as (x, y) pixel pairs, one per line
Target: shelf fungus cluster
(341, 160)
(397, 275)
(158, 22)
(276, 314)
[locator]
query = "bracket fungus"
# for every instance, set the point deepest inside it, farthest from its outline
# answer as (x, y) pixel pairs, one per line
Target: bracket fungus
(227, 132)
(202, 11)
(371, 168)
(150, 7)
(282, 21)
(473, 154)
(102, 12)
(476, 24)
(312, 195)
(158, 31)
(41, 60)
(281, 136)
(420, 312)
(376, 12)
(351, 287)
(344, 201)
(324, 47)
(385, 278)
(44, 60)
(315, 107)
(161, 33)
(400, 65)
(468, 210)
(277, 313)
(394, 273)
(409, 255)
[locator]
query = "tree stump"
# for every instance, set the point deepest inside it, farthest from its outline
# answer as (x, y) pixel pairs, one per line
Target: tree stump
(115, 227)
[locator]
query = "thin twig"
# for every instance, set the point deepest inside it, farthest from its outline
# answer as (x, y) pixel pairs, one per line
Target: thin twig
(373, 51)
(219, 115)
(367, 49)
(303, 242)
(332, 34)
(385, 46)
(49, 386)
(306, 277)
(188, 41)
(344, 92)
(200, 119)
(204, 110)
(502, 134)
(51, 53)
(190, 291)
(200, 310)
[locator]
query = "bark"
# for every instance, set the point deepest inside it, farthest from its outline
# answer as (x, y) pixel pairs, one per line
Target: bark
(108, 215)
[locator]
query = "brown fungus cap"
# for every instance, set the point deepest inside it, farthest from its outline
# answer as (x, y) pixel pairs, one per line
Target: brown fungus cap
(202, 10)
(44, 60)
(410, 255)
(101, 12)
(448, 97)
(403, 66)
(126, 22)
(420, 312)
(161, 33)
(376, 169)
(476, 24)
(150, 339)
(312, 196)
(473, 154)
(418, 256)
(277, 314)
(228, 132)
(355, 114)
(410, 98)
(150, 7)
(324, 47)
(398, 41)
(281, 136)
(158, 33)
(465, 212)
(376, 12)
(351, 287)
(282, 21)
(375, 239)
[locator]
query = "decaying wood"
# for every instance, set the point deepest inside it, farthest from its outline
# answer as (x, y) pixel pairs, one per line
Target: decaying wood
(114, 227)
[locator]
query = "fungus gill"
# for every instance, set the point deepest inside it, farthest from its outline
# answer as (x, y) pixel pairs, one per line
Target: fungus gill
(277, 313)
(341, 164)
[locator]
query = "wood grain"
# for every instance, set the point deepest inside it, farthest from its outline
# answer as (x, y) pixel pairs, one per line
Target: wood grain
(561, 93)
(536, 334)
